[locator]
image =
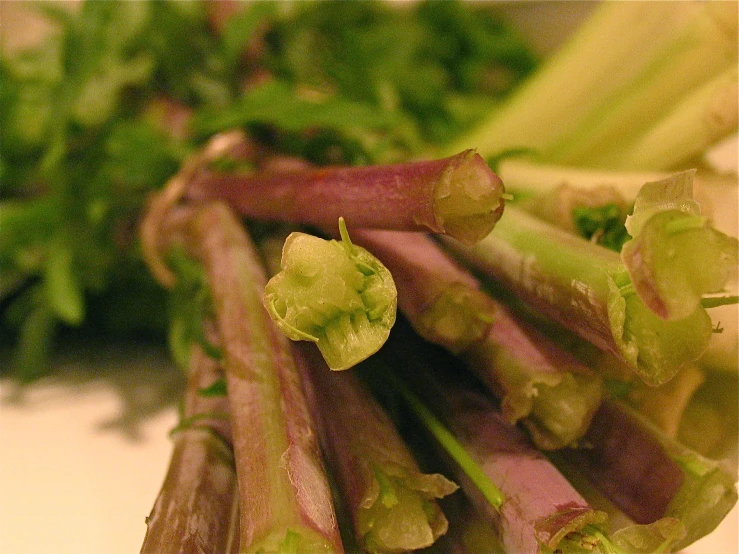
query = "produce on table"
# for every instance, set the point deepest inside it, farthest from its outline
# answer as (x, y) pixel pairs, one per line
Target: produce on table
(538, 384)
(215, 98)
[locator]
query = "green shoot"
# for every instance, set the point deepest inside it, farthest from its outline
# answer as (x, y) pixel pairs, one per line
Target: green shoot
(335, 294)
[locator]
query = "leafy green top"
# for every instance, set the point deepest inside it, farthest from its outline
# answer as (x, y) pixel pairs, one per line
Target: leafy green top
(108, 106)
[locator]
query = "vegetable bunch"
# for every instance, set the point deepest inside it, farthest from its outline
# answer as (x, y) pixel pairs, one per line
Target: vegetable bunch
(272, 172)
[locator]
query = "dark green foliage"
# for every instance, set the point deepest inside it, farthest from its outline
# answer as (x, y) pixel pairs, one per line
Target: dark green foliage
(604, 224)
(81, 149)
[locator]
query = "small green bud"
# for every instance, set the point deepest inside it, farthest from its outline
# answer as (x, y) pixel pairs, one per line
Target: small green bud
(335, 294)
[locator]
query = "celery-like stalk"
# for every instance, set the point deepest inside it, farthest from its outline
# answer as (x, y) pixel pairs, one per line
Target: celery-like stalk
(650, 476)
(524, 177)
(458, 195)
(469, 531)
(196, 508)
(675, 256)
(551, 192)
(689, 129)
(533, 182)
(539, 507)
(391, 501)
(617, 74)
(710, 422)
(665, 405)
(538, 383)
(723, 351)
(335, 294)
(285, 501)
(586, 288)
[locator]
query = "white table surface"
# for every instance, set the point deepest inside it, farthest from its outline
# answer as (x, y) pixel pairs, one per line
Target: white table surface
(83, 454)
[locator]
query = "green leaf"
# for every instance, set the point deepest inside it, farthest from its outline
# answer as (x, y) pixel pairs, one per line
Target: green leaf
(242, 28)
(217, 388)
(604, 223)
(280, 104)
(62, 283)
(36, 328)
(189, 305)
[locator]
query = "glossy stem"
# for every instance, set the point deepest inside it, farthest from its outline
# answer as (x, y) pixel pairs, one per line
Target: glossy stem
(196, 508)
(285, 501)
(458, 195)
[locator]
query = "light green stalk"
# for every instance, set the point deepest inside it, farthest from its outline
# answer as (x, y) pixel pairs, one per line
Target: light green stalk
(691, 127)
(532, 182)
(626, 65)
(666, 405)
(453, 447)
(596, 213)
(335, 294)
(586, 288)
(528, 178)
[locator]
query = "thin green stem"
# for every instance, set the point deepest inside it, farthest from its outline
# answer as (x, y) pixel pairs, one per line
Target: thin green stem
(451, 445)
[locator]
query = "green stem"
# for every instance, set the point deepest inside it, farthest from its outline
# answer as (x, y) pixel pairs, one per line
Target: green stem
(450, 444)
(586, 288)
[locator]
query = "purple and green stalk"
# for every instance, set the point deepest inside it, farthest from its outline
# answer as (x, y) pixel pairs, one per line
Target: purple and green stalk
(586, 288)
(620, 534)
(392, 502)
(459, 195)
(541, 385)
(651, 477)
(196, 509)
(538, 383)
(285, 500)
(535, 507)
(442, 301)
